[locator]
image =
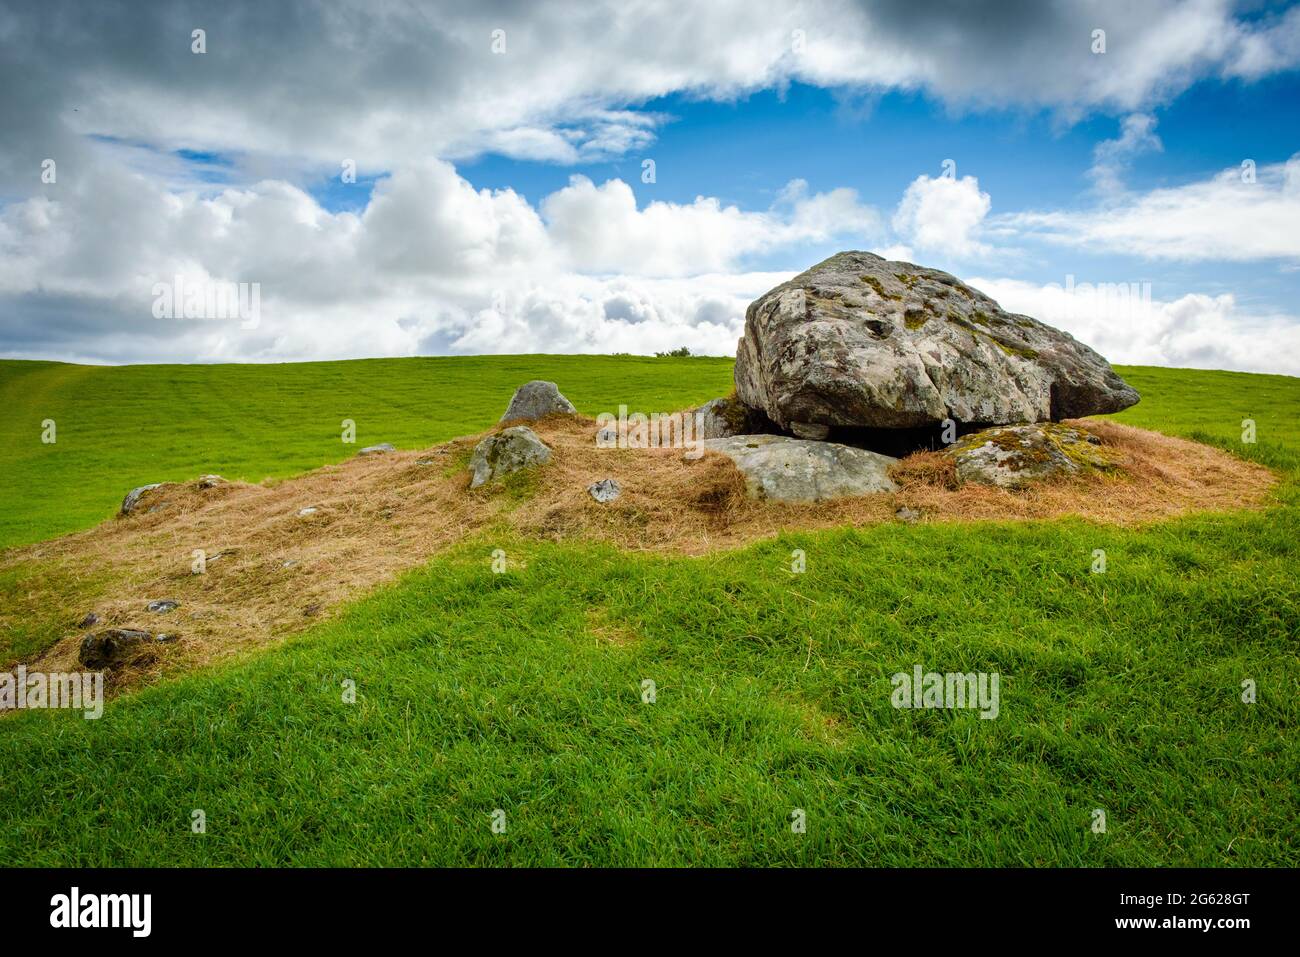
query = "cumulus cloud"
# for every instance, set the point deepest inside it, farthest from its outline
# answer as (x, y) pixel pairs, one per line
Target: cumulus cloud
(389, 83)
(288, 91)
(1127, 325)
(943, 215)
(1242, 214)
(601, 230)
(430, 264)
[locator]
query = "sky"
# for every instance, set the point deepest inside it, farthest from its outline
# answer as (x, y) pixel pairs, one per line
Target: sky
(402, 178)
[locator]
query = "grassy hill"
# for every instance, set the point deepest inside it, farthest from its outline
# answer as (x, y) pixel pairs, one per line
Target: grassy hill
(524, 692)
(123, 426)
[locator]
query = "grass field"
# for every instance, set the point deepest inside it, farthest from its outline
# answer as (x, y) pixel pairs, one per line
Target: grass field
(523, 692)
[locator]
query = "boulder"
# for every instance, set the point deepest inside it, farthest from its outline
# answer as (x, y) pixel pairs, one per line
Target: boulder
(798, 470)
(729, 416)
(509, 450)
(858, 341)
(536, 400)
(1013, 456)
(134, 498)
(112, 646)
(606, 490)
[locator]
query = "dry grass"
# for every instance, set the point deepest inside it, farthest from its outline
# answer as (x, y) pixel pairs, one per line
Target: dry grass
(275, 571)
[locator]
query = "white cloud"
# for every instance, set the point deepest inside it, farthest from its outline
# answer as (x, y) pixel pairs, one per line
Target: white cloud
(943, 215)
(390, 83)
(1112, 157)
(601, 230)
(1224, 218)
(1126, 325)
(430, 265)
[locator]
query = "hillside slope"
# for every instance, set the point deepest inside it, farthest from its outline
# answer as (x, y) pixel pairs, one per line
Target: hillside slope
(526, 692)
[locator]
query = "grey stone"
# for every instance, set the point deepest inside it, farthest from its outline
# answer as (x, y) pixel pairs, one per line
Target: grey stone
(112, 646)
(798, 470)
(133, 497)
(859, 341)
(908, 515)
(210, 481)
(729, 416)
(309, 510)
(509, 450)
(379, 449)
(535, 400)
(606, 490)
(810, 430)
(90, 620)
(163, 605)
(1013, 456)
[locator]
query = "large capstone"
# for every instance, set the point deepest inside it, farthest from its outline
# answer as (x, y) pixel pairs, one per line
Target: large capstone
(536, 400)
(509, 450)
(861, 342)
(796, 470)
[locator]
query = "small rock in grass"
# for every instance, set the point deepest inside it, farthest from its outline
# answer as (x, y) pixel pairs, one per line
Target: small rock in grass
(133, 497)
(606, 490)
(311, 611)
(163, 605)
(379, 449)
(210, 481)
(908, 515)
(90, 619)
(309, 510)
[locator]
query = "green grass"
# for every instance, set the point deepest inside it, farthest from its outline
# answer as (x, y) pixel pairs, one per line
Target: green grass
(476, 691)
(118, 427)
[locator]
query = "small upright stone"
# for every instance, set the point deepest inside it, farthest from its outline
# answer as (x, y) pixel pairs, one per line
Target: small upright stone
(509, 450)
(107, 648)
(134, 497)
(536, 400)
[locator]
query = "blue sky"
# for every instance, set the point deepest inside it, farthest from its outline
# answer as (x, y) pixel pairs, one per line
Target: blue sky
(499, 202)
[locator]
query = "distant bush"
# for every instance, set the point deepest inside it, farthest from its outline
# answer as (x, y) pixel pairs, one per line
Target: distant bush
(681, 353)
